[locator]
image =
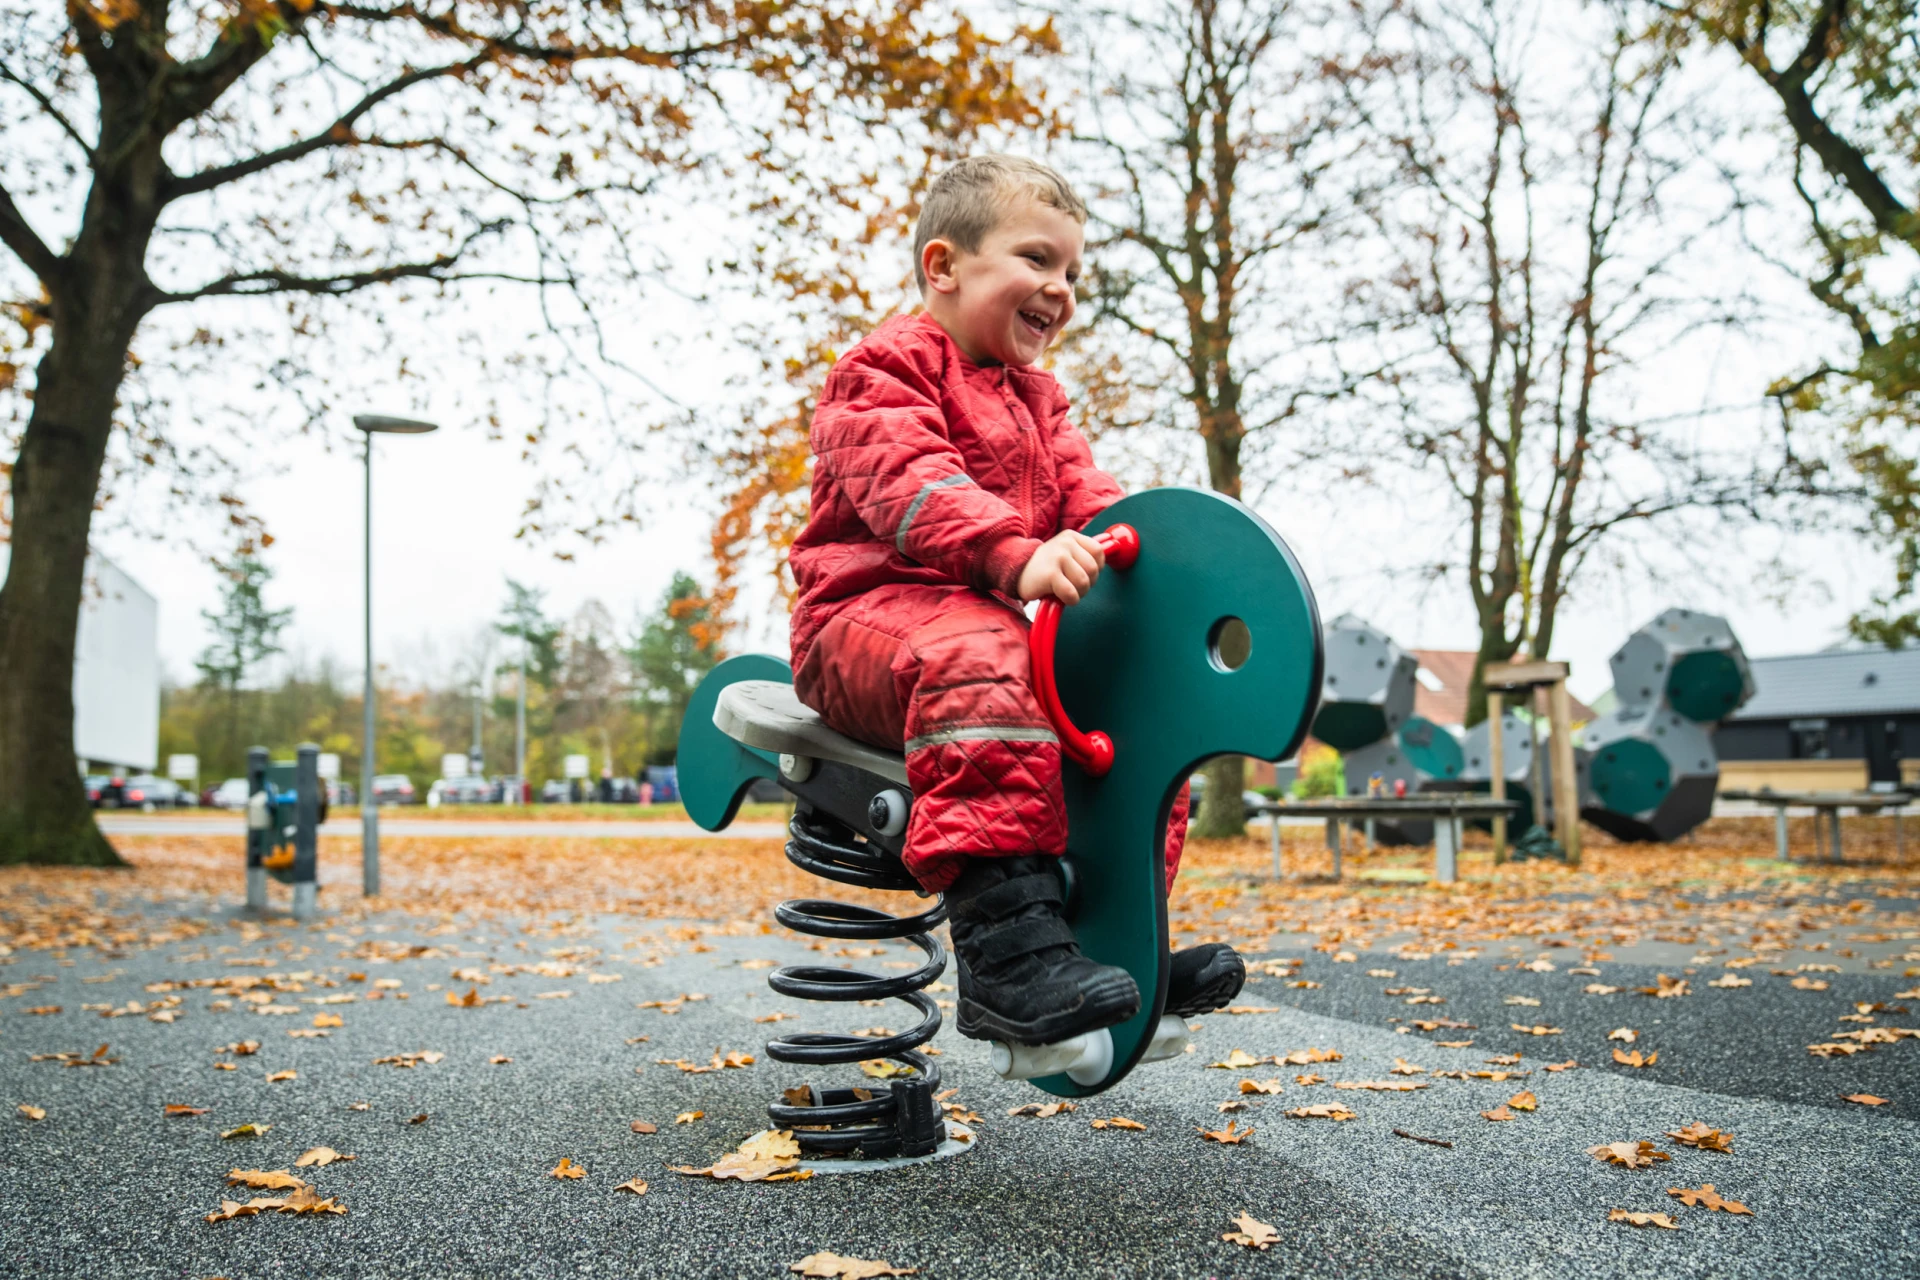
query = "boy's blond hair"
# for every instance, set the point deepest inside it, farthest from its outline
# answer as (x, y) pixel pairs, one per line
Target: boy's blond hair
(967, 201)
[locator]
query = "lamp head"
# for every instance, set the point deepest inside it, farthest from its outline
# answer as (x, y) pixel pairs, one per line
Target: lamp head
(372, 422)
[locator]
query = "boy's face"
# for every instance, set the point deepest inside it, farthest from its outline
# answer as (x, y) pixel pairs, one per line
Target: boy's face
(1007, 302)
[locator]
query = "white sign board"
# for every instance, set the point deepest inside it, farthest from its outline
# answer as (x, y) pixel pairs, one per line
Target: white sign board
(183, 768)
(453, 766)
(116, 670)
(329, 765)
(576, 766)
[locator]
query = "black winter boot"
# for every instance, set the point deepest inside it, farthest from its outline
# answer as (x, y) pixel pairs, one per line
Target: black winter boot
(1204, 978)
(1022, 977)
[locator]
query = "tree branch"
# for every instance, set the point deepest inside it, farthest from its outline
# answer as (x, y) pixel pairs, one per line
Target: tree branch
(46, 105)
(339, 133)
(266, 281)
(18, 235)
(1844, 161)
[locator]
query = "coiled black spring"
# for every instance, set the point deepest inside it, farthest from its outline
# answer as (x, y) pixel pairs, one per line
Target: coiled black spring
(904, 1120)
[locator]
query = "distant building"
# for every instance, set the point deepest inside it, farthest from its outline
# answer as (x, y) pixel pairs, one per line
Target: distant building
(1440, 687)
(1839, 720)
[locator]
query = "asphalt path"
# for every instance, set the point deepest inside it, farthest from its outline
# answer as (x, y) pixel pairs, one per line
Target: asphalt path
(105, 1185)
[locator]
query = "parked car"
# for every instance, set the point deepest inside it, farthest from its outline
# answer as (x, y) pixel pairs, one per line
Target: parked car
(98, 785)
(554, 791)
(393, 788)
(231, 794)
(147, 792)
(460, 791)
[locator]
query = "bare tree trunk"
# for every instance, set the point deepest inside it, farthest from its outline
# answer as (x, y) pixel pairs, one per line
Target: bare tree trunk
(1220, 814)
(44, 815)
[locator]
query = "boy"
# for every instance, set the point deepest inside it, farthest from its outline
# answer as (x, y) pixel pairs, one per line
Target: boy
(948, 487)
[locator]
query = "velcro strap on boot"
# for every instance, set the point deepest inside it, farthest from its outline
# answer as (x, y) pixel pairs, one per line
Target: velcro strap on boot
(1009, 896)
(1023, 937)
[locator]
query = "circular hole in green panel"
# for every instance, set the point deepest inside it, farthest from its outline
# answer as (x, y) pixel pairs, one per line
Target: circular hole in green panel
(1229, 644)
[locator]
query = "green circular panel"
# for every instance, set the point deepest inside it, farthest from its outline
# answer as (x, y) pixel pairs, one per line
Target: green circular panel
(1630, 776)
(1431, 749)
(1705, 686)
(1349, 726)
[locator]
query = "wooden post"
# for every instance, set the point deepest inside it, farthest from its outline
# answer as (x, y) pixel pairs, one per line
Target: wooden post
(1497, 789)
(1566, 794)
(1276, 843)
(1535, 775)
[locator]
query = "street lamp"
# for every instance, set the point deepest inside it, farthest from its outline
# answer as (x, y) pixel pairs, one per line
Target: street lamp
(369, 814)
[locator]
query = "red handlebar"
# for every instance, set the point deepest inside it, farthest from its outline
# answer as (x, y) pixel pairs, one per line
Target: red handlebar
(1091, 751)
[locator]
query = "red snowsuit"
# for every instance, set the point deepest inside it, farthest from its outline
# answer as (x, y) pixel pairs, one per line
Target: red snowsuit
(934, 482)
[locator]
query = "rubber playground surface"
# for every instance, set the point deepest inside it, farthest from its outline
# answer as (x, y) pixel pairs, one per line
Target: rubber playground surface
(610, 977)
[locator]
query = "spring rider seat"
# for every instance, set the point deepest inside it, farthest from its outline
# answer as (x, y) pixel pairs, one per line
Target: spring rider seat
(1200, 639)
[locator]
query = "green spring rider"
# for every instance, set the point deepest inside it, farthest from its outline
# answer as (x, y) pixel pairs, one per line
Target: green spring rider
(1201, 639)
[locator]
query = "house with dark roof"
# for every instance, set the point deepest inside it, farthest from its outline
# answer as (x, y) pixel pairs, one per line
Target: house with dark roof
(1844, 719)
(1440, 687)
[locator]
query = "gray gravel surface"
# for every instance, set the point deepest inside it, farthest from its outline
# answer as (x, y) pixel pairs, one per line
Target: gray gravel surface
(105, 1186)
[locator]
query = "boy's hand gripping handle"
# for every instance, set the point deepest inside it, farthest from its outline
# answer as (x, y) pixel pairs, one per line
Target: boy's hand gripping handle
(1091, 751)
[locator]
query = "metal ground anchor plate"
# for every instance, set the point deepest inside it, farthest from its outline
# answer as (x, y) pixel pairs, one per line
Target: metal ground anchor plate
(953, 1146)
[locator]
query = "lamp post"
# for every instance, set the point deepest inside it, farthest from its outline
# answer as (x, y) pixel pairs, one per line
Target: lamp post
(370, 423)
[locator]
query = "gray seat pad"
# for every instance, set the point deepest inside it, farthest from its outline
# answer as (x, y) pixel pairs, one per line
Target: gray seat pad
(768, 714)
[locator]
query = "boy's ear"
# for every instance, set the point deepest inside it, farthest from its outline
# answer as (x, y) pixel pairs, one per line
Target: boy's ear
(937, 260)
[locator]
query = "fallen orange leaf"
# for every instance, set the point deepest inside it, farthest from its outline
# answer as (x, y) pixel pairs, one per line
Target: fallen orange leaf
(1864, 1099)
(641, 1126)
(1260, 1086)
(32, 1112)
(1629, 1155)
(633, 1185)
(1325, 1111)
(264, 1179)
(1041, 1110)
(1636, 1058)
(1643, 1219)
(1707, 1198)
(566, 1169)
(1700, 1135)
(181, 1109)
(1253, 1233)
(321, 1156)
(328, 1020)
(1119, 1122)
(772, 1155)
(1524, 1101)
(834, 1267)
(1231, 1135)
(688, 1117)
(1499, 1113)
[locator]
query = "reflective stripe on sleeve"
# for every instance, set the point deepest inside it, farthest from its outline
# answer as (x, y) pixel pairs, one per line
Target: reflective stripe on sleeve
(919, 500)
(983, 733)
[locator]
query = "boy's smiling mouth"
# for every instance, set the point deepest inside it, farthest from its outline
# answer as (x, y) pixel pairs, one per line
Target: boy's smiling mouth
(1036, 321)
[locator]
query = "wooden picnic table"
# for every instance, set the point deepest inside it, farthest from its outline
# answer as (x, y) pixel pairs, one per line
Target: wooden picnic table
(1448, 809)
(1827, 804)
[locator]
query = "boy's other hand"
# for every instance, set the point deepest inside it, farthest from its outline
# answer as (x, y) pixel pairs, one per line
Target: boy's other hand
(1064, 567)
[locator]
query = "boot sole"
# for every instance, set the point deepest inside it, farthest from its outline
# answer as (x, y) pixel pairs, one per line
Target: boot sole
(1104, 1004)
(1219, 983)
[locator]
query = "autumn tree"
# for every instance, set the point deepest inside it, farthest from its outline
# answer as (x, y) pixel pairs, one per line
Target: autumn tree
(1204, 134)
(243, 175)
(675, 648)
(1528, 255)
(245, 634)
(1843, 77)
(834, 262)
